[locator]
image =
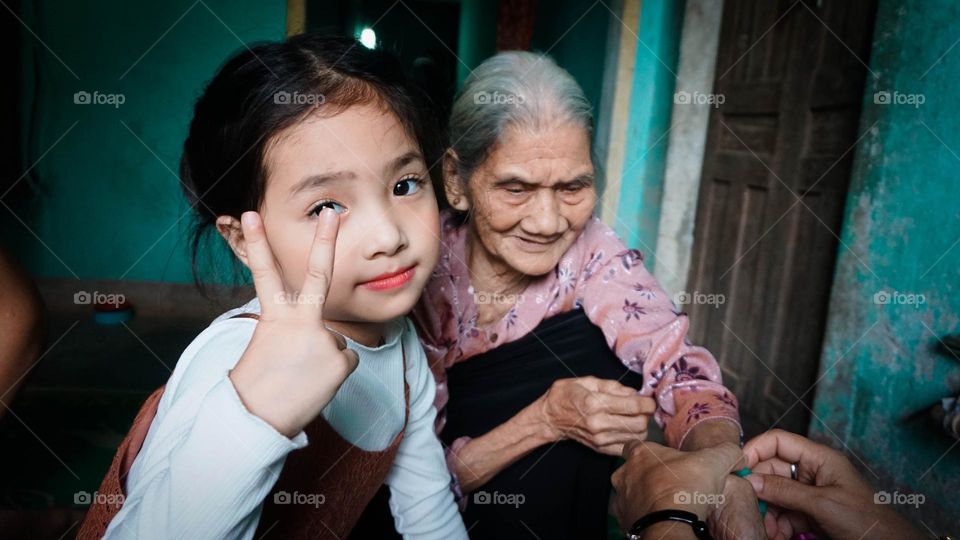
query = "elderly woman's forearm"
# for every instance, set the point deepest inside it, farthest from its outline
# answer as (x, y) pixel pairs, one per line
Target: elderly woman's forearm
(485, 456)
(711, 432)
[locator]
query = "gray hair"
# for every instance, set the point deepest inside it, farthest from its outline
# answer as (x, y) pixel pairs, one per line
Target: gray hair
(512, 89)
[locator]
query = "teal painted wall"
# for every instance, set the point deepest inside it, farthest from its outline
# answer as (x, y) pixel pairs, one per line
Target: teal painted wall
(478, 35)
(573, 32)
(104, 202)
(651, 103)
(901, 234)
(108, 174)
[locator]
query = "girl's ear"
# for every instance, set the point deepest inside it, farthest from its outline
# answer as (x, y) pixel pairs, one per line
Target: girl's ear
(231, 231)
(452, 184)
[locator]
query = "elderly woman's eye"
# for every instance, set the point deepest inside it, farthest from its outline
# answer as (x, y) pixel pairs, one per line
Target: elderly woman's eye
(337, 207)
(575, 187)
(407, 186)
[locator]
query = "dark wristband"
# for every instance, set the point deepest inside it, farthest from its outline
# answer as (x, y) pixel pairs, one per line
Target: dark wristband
(691, 519)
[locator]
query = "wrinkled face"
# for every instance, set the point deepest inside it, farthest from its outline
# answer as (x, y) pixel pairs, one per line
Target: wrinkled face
(532, 196)
(363, 164)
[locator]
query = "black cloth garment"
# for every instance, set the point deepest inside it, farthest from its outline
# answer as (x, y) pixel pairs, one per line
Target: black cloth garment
(559, 490)
(376, 521)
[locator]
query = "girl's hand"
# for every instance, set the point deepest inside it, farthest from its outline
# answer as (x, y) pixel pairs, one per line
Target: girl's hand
(599, 413)
(293, 365)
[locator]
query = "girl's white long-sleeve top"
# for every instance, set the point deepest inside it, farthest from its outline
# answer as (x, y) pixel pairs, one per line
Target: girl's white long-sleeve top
(208, 463)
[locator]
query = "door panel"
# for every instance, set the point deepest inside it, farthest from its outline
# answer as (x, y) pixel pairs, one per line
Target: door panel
(772, 193)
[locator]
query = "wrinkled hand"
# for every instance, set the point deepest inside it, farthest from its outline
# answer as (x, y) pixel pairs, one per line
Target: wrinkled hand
(738, 516)
(656, 477)
(828, 495)
(599, 413)
(293, 365)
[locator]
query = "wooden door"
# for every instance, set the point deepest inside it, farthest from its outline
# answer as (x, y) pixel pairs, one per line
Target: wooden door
(778, 158)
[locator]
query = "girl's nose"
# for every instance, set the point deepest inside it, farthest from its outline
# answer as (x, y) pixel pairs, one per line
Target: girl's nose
(382, 236)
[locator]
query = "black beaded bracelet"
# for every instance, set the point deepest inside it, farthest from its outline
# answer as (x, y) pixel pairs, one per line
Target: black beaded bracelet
(699, 527)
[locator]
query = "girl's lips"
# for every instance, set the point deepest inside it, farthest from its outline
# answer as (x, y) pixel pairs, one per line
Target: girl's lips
(391, 281)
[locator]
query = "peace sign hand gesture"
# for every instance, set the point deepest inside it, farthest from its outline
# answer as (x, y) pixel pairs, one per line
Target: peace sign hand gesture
(293, 365)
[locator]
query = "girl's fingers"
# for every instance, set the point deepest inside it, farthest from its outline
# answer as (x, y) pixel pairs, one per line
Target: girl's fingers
(320, 262)
(260, 260)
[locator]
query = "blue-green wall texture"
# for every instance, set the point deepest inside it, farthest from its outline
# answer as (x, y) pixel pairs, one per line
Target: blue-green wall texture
(651, 103)
(104, 201)
(573, 32)
(901, 237)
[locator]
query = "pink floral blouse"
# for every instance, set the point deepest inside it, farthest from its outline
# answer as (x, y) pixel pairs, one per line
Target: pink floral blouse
(598, 273)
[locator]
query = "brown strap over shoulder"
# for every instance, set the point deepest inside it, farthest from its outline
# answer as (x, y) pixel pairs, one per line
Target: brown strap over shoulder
(112, 492)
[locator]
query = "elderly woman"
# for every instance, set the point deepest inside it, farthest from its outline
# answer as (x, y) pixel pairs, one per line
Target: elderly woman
(537, 315)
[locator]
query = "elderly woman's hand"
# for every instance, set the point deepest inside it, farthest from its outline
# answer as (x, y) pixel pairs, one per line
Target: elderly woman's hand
(656, 477)
(828, 492)
(599, 413)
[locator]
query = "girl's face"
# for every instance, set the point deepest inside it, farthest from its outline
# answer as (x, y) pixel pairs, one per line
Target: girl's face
(361, 163)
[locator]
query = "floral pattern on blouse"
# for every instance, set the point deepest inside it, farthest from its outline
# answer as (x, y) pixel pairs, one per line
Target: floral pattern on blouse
(609, 281)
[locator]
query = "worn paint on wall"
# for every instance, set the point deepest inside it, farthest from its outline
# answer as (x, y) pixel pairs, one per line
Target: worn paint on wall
(687, 143)
(896, 288)
(641, 189)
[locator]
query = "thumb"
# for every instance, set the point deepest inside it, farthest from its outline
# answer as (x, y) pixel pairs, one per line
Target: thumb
(353, 359)
(784, 492)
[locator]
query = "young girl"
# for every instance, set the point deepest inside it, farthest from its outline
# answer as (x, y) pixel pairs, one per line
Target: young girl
(285, 416)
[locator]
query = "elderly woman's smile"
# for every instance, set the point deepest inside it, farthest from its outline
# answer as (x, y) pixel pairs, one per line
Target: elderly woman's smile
(532, 197)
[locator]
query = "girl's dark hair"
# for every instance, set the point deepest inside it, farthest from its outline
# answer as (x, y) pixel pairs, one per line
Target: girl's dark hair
(267, 88)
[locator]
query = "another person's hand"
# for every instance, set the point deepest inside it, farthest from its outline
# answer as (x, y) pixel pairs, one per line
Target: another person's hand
(599, 413)
(656, 477)
(293, 365)
(738, 515)
(828, 495)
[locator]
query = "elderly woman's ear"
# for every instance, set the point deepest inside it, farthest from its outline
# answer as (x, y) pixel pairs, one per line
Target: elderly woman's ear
(453, 185)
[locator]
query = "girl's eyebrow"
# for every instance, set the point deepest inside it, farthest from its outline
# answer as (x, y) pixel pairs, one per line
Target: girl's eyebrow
(402, 161)
(316, 180)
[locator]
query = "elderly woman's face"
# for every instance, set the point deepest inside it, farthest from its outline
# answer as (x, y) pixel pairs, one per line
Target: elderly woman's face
(533, 195)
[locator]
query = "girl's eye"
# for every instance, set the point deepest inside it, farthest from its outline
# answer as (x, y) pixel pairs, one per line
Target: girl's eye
(407, 186)
(337, 207)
